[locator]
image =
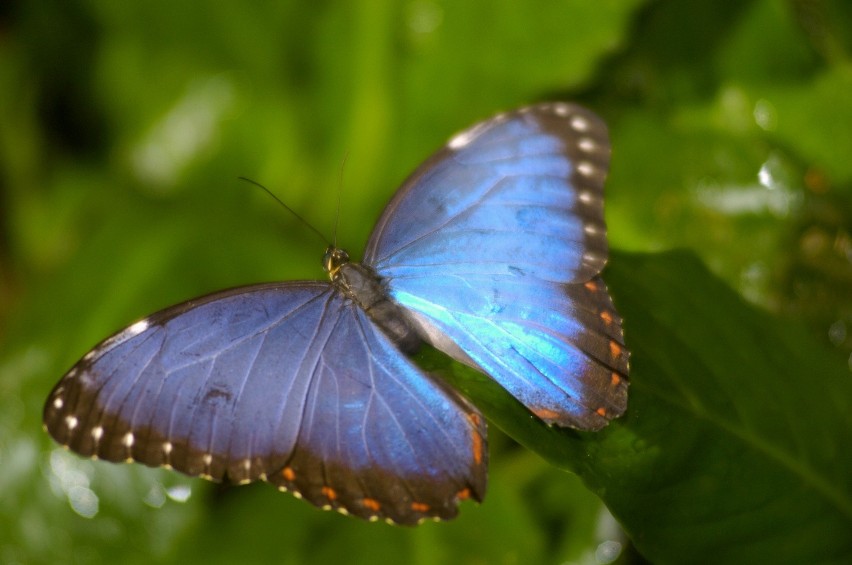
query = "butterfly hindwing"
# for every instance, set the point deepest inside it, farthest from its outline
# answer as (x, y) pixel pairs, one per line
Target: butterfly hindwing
(494, 247)
(288, 383)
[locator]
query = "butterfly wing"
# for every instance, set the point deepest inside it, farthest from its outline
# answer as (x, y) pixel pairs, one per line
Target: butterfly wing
(288, 383)
(494, 247)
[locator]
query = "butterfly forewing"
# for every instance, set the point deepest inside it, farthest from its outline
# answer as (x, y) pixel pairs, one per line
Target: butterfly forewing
(523, 189)
(288, 383)
(494, 246)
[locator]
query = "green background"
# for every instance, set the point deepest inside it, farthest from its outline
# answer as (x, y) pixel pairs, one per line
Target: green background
(123, 127)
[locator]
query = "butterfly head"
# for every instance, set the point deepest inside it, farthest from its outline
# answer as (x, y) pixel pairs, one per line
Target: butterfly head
(333, 259)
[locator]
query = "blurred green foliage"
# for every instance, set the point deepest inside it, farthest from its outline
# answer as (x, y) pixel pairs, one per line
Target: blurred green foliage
(123, 127)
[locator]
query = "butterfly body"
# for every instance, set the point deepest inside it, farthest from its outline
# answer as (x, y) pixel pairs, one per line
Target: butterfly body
(363, 286)
(490, 251)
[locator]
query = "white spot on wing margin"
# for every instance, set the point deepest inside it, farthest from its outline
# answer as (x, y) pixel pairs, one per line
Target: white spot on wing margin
(137, 328)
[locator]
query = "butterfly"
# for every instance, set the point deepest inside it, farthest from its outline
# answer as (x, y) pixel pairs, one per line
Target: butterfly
(491, 252)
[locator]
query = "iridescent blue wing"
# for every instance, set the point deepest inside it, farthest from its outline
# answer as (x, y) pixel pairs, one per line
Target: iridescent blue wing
(494, 247)
(287, 383)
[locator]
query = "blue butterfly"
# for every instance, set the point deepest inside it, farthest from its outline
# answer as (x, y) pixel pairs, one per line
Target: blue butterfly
(490, 251)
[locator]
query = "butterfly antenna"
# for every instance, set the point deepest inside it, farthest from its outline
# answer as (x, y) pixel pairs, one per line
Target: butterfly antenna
(339, 192)
(298, 217)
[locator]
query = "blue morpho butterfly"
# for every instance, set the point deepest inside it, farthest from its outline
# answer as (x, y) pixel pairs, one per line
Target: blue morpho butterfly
(491, 252)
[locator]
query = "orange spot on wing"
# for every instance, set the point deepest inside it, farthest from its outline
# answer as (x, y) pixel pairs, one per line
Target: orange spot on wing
(601, 411)
(420, 507)
(288, 474)
(329, 493)
(463, 494)
(614, 349)
(546, 413)
(606, 317)
(591, 286)
(371, 504)
(475, 437)
(615, 379)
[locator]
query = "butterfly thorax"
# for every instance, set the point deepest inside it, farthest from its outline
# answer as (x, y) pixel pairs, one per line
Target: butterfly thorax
(364, 287)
